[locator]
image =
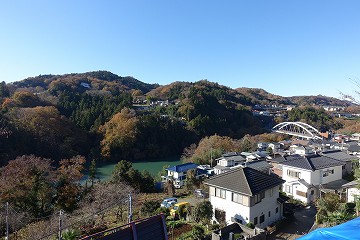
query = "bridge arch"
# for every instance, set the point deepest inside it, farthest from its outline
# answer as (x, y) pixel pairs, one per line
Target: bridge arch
(298, 129)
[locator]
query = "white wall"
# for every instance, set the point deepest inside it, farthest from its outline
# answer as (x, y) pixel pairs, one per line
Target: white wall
(313, 177)
(267, 204)
(317, 176)
(305, 174)
(247, 214)
(231, 208)
(351, 193)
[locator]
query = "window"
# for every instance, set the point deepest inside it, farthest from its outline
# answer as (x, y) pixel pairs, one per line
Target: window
(325, 174)
(237, 198)
(258, 197)
(293, 174)
(269, 213)
(255, 220)
(271, 192)
(262, 218)
(343, 167)
(312, 192)
(277, 210)
(288, 189)
(220, 193)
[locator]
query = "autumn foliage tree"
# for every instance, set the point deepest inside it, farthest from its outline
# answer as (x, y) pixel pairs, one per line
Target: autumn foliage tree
(27, 183)
(119, 133)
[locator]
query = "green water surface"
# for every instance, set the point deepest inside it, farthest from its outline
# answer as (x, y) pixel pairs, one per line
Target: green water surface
(154, 166)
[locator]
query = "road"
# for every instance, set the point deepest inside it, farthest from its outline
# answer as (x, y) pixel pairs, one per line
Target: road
(303, 221)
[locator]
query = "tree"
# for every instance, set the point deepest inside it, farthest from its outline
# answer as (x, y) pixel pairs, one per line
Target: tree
(197, 232)
(27, 182)
(92, 172)
(169, 187)
(124, 172)
(149, 207)
(191, 181)
(203, 212)
(119, 134)
(68, 188)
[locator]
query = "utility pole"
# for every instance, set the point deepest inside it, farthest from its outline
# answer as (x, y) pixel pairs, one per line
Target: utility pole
(7, 221)
(130, 208)
(60, 223)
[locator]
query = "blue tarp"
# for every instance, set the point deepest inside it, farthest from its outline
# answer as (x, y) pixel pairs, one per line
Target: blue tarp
(348, 230)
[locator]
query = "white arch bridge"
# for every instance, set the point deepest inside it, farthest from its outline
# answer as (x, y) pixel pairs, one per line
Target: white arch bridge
(298, 129)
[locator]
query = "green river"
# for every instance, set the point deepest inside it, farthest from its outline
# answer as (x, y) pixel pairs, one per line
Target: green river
(154, 166)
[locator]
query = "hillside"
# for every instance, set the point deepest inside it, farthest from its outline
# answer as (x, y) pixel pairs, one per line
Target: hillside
(318, 100)
(92, 114)
(262, 97)
(98, 81)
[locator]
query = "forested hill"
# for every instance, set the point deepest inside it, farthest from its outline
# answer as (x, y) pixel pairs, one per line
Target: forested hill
(97, 81)
(318, 100)
(101, 115)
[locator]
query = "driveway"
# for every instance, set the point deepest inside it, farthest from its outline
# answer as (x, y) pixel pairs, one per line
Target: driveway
(300, 225)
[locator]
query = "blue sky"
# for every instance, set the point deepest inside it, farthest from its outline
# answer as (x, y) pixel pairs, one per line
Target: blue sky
(285, 47)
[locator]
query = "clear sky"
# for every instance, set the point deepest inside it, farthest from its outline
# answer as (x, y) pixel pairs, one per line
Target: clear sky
(286, 47)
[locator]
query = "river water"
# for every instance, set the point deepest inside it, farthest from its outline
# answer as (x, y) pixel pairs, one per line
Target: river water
(154, 166)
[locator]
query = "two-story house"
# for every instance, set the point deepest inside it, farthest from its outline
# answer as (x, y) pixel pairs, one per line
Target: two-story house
(305, 175)
(178, 173)
(347, 159)
(228, 160)
(246, 195)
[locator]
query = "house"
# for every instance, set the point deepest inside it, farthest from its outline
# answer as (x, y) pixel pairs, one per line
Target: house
(85, 85)
(301, 150)
(178, 173)
(246, 195)
(353, 149)
(228, 160)
(305, 175)
(275, 147)
(343, 157)
(352, 191)
(233, 160)
(262, 146)
(355, 137)
(275, 163)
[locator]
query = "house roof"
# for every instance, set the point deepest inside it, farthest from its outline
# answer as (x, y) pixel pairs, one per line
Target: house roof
(354, 148)
(231, 156)
(305, 183)
(182, 167)
(350, 184)
(259, 165)
(312, 163)
(246, 181)
(339, 155)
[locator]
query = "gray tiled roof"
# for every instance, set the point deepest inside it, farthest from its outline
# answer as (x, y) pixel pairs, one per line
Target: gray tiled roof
(312, 163)
(354, 148)
(339, 155)
(305, 183)
(231, 156)
(246, 181)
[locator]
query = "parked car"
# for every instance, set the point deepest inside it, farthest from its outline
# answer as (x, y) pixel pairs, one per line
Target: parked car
(169, 202)
(199, 193)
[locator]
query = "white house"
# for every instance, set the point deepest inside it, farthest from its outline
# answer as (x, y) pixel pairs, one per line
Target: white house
(228, 160)
(178, 173)
(352, 191)
(246, 195)
(304, 175)
(347, 159)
